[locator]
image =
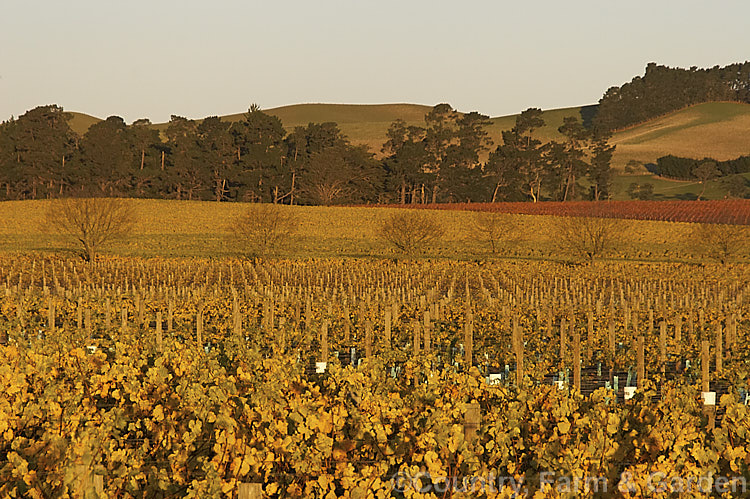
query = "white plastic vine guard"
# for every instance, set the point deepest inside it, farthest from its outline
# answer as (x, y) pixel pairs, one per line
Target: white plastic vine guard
(629, 392)
(709, 398)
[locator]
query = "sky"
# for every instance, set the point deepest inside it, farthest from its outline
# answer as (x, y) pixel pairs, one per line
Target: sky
(152, 59)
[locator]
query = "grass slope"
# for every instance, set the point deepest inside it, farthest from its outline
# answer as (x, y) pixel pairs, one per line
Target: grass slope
(719, 130)
(363, 123)
(198, 229)
(81, 122)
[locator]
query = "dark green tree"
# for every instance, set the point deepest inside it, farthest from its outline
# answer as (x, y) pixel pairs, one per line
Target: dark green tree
(520, 143)
(439, 135)
(503, 172)
(264, 170)
(571, 156)
(185, 176)
(460, 174)
(644, 192)
(341, 174)
(217, 152)
(9, 167)
(600, 169)
(406, 157)
(43, 143)
(736, 186)
(147, 151)
(106, 158)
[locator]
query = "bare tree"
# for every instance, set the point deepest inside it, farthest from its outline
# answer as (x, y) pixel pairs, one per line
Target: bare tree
(409, 231)
(91, 222)
(705, 172)
(263, 227)
(493, 229)
(589, 237)
(721, 242)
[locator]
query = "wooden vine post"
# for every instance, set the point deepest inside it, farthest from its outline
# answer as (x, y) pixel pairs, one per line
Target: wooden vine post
(85, 481)
(705, 361)
(87, 323)
(590, 337)
(368, 339)
(324, 342)
(79, 313)
(123, 319)
(199, 325)
(641, 373)
(577, 361)
(472, 420)
(250, 491)
(108, 314)
(709, 410)
(663, 346)
(469, 340)
(159, 335)
(416, 339)
(518, 348)
(170, 315)
(388, 327)
(563, 342)
(719, 348)
(427, 339)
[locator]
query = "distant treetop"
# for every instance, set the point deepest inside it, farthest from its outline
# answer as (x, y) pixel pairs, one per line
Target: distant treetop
(662, 90)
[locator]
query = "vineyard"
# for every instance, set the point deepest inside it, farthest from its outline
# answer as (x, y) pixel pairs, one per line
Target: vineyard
(370, 378)
(726, 211)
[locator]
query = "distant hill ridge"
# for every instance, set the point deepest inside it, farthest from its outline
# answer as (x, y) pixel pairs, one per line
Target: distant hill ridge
(719, 130)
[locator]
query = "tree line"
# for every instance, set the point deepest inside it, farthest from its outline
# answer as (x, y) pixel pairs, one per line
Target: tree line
(729, 172)
(449, 159)
(663, 89)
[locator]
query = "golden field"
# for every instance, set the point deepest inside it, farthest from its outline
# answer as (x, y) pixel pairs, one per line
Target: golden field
(200, 229)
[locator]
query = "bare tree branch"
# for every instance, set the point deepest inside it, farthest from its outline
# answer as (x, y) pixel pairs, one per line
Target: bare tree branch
(92, 222)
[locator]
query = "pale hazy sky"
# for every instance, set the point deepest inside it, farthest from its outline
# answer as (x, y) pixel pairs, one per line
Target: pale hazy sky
(155, 58)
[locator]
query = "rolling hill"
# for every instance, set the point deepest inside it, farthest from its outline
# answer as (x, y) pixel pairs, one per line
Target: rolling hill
(720, 130)
(80, 122)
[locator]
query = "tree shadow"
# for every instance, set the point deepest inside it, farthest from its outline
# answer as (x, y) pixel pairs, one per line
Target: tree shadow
(588, 113)
(651, 168)
(687, 196)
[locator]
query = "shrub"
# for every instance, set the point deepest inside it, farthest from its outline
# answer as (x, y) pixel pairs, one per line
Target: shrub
(493, 229)
(721, 242)
(410, 231)
(263, 227)
(91, 222)
(589, 237)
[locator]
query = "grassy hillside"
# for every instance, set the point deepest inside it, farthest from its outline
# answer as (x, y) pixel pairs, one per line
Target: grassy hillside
(362, 123)
(720, 130)
(190, 228)
(80, 122)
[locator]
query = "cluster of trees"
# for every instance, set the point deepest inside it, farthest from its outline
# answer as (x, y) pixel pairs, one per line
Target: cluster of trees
(255, 159)
(441, 161)
(663, 89)
(686, 168)
(706, 169)
(524, 167)
(252, 159)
